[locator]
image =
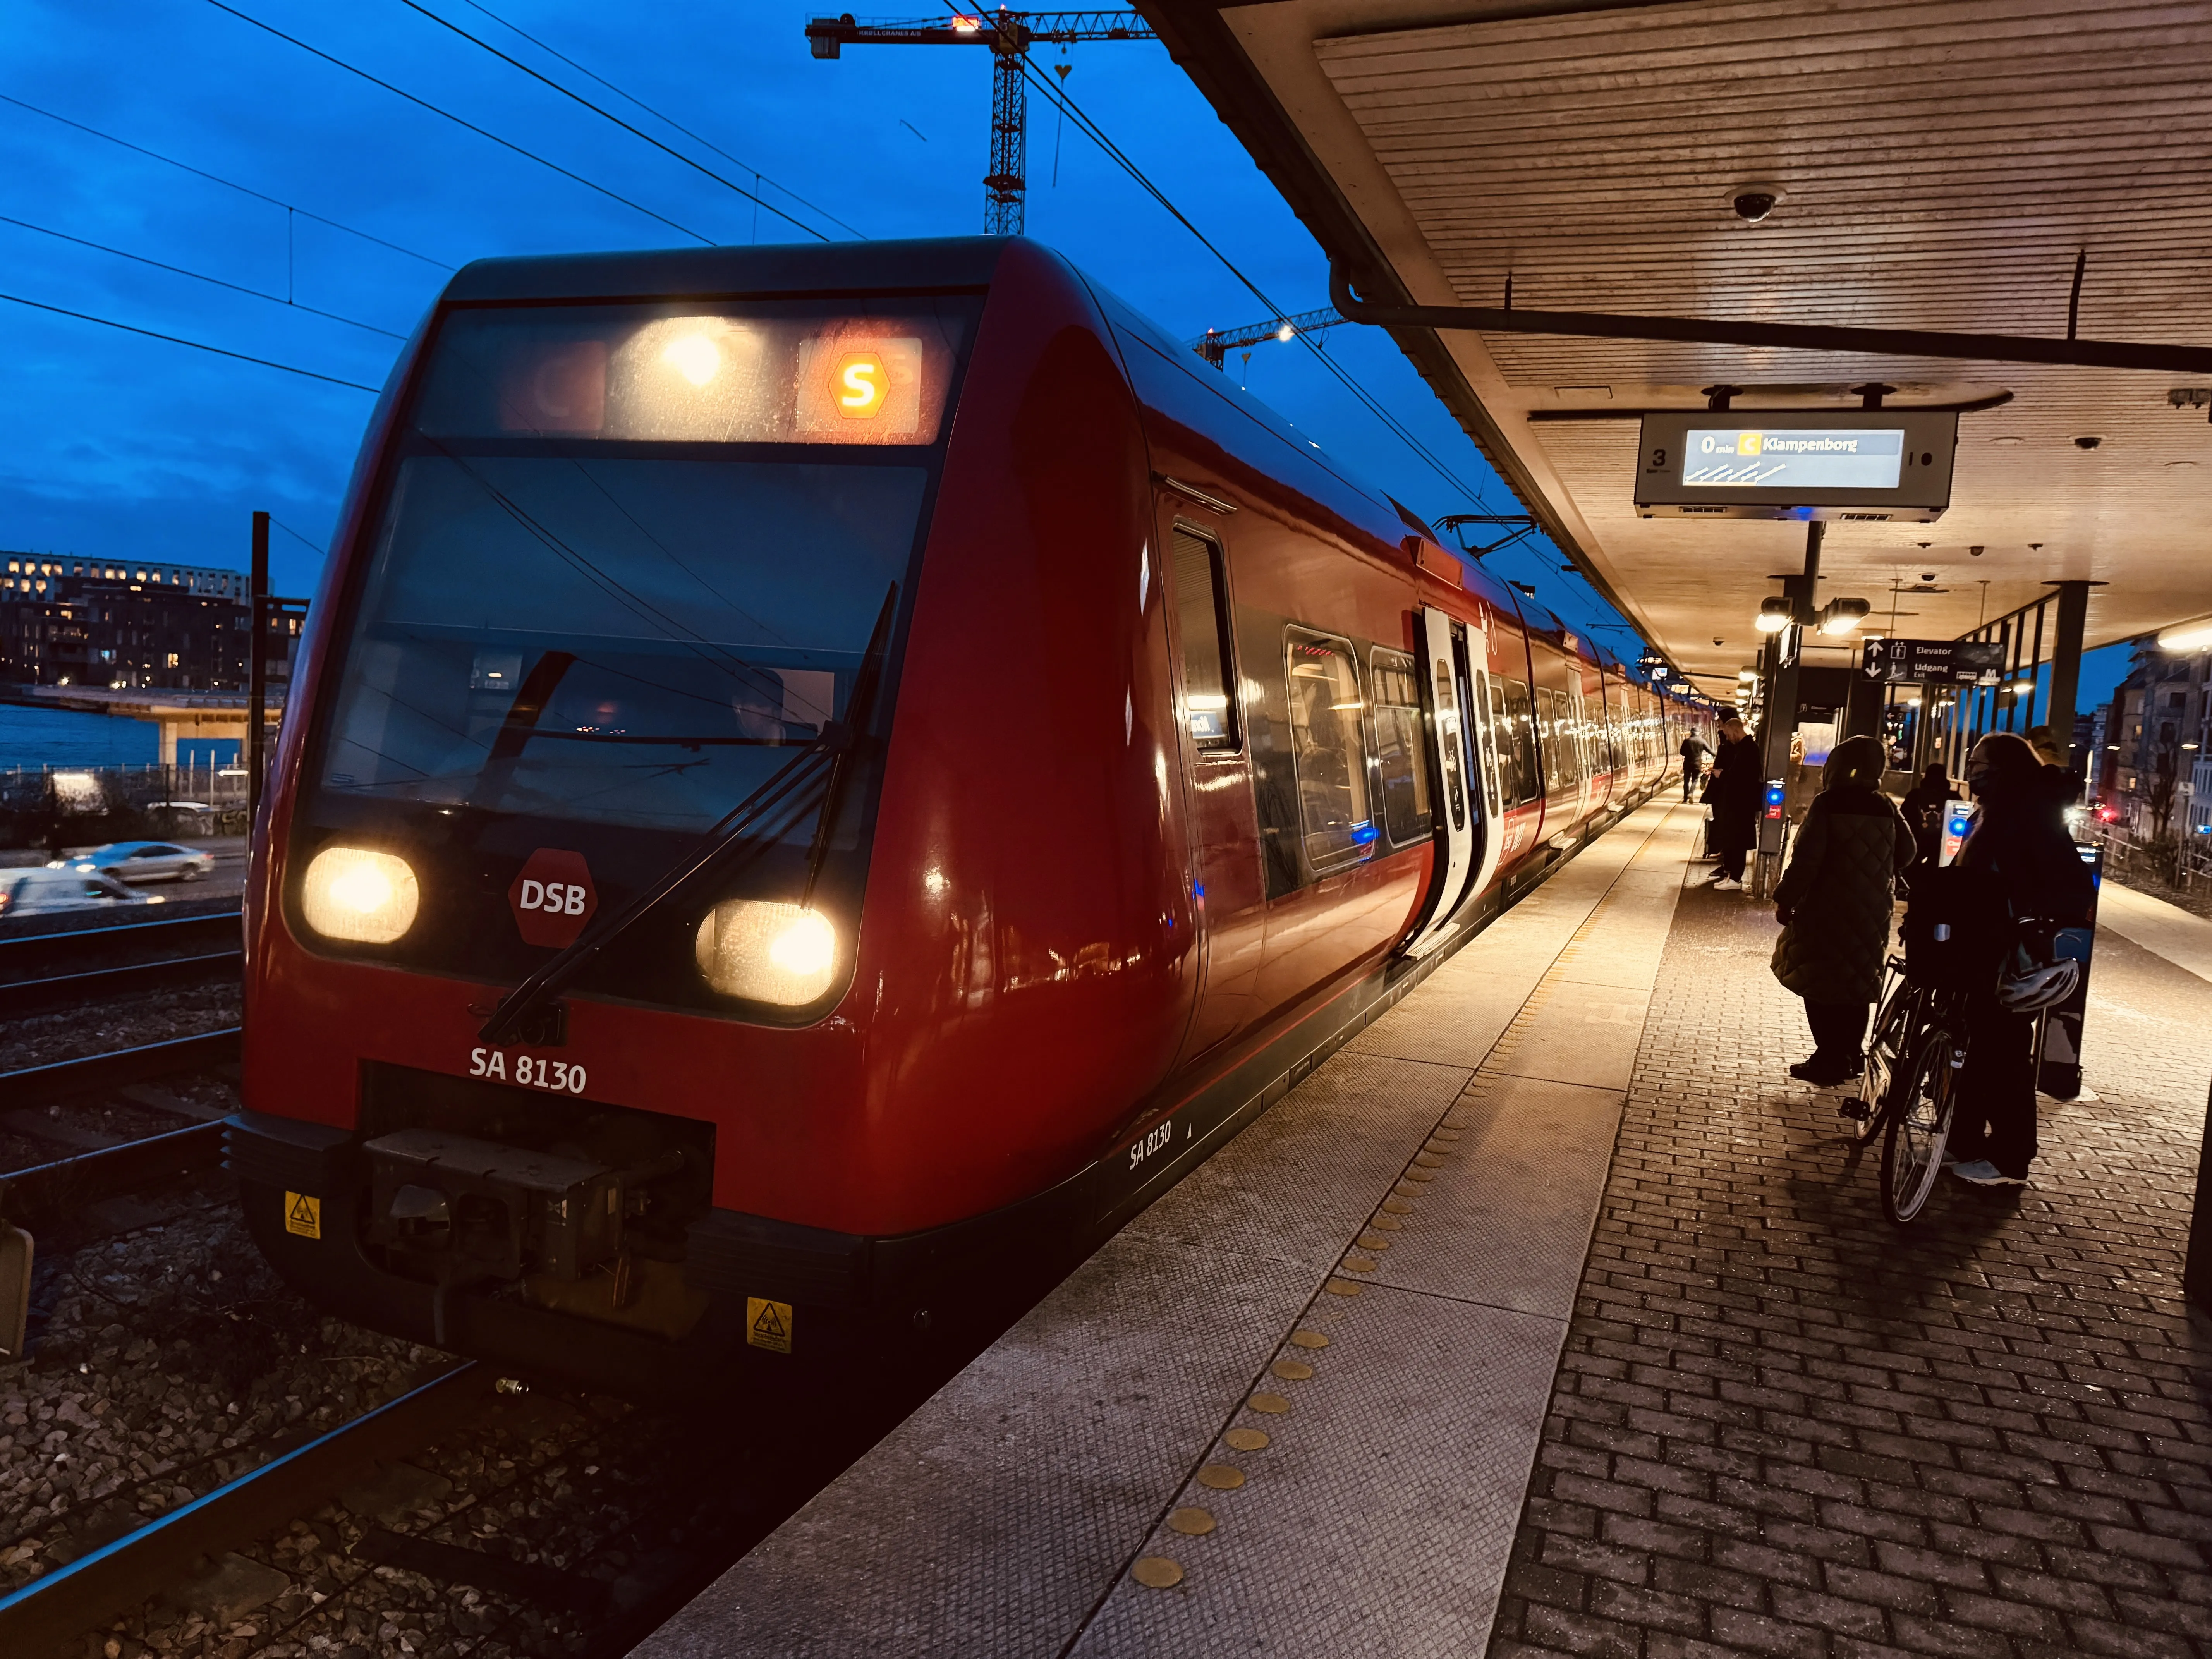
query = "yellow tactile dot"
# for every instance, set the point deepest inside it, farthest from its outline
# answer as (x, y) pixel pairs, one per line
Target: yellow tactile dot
(1388, 1224)
(1372, 1240)
(1273, 1404)
(1157, 1572)
(1418, 1173)
(1342, 1287)
(1429, 1160)
(1221, 1477)
(1360, 1264)
(1308, 1339)
(1292, 1370)
(1397, 1206)
(1248, 1439)
(1191, 1521)
(1446, 1133)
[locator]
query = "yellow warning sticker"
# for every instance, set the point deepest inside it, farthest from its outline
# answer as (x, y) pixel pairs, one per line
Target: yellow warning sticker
(768, 1324)
(303, 1214)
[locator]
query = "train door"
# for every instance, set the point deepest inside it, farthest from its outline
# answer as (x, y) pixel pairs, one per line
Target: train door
(1229, 887)
(1475, 671)
(1458, 815)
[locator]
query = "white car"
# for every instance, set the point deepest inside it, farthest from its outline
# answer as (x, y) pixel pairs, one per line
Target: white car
(37, 890)
(143, 860)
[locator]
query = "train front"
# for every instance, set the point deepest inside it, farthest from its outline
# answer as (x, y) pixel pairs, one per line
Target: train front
(563, 876)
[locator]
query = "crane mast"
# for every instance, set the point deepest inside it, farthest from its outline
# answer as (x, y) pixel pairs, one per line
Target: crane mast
(1009, 34)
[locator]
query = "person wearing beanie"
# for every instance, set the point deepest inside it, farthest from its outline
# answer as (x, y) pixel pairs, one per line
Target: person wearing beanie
(1835, 903)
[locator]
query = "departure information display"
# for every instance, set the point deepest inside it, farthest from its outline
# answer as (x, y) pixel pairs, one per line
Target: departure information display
(1805, 462)
(1815, 458)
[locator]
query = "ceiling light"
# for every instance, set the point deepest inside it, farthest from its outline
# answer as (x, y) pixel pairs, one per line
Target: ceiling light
(1841, 615)
(2189, 637)
(1774, 616)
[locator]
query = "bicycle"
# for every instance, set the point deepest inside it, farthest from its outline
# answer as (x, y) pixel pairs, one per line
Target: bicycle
(1907, 1093)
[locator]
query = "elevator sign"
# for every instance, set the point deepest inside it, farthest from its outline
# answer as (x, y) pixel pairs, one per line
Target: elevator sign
(1875, 465)
(1937, 662)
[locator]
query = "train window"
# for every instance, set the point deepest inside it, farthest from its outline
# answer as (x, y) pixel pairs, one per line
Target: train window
(1517, 731)
(1403, 767)
(1328, 747)
(1203, 619)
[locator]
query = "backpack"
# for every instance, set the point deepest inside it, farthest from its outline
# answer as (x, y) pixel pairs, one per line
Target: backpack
(1957, 930)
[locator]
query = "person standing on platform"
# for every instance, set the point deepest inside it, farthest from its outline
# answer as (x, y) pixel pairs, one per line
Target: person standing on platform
(1693, 761)
(1733, 792)
(2020, 844)
(1834, 903)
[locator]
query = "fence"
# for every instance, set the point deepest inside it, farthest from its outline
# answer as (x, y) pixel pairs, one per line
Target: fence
(57, 806)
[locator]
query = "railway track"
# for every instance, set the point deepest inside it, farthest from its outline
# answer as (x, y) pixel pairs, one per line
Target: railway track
(41, 972)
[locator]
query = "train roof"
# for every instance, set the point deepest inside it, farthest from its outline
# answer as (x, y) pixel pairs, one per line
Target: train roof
(938, 262)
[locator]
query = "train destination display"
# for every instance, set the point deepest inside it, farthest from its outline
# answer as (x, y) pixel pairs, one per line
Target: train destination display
(1871, 464)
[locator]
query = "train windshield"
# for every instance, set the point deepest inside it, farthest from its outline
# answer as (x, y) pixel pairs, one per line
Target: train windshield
(625, 641)
(625, 562)
(584, 603)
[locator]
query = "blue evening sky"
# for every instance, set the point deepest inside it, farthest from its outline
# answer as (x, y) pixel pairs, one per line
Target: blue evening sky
(121, 447)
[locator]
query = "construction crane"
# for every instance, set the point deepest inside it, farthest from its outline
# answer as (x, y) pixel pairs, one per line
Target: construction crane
(1009, 34)
(1218, 343)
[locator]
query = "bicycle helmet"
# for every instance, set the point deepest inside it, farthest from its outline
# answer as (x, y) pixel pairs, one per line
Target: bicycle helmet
(2038, 987)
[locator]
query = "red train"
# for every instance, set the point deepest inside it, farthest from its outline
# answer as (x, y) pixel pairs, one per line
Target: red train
(812, 767)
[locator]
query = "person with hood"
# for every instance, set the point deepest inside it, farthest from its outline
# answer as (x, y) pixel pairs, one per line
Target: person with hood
(1923, 809)
(2020, 844)
(1733, 791)
(1835, 903)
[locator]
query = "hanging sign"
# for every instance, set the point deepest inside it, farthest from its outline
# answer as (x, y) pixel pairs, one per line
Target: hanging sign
(1940, 662)
(1872, 465)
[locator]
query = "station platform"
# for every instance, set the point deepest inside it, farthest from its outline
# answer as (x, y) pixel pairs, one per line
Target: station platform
(1550, 1314)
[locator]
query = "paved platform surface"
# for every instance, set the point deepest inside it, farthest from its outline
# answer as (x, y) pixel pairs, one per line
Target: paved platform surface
(1782, 1427)
(1308, 1385)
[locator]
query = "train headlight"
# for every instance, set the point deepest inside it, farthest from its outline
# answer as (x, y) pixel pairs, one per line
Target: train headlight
(768, 952)
(352, 893)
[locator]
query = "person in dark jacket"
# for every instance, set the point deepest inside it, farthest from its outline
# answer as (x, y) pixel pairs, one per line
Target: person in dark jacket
(2020, 842)
(1693, 752)
(1923, 810)
(1733, 793)
(1835, 903)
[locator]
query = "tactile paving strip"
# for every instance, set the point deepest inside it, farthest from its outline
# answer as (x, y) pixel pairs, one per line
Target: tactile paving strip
(988, 1523)
(1377, 1518)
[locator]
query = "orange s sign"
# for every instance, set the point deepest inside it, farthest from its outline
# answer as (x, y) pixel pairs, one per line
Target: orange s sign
(860, 384)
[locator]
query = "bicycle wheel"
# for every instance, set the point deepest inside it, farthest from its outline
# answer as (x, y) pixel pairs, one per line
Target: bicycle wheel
(1892, 1031)
(1920, 1123)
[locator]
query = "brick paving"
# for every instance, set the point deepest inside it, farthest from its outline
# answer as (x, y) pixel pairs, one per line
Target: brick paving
(1782, 1427)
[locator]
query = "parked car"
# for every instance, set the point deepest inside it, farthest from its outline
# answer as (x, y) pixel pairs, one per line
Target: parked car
(40, 890)
(142, 860)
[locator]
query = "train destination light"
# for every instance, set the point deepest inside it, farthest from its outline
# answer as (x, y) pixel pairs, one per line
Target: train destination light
(1871, 464)
(862, 384)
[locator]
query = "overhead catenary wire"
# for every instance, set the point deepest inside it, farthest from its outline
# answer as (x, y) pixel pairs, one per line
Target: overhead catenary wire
(227, 184)
(198, 276)
(1097, 136)
(759, 177)
(178, 339)
(481, 132)
(609, 115)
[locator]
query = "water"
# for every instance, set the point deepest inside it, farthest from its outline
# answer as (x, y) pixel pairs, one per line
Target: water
(33, 738)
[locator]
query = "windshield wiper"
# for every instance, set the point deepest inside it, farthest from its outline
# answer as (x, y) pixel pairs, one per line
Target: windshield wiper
(813, 778)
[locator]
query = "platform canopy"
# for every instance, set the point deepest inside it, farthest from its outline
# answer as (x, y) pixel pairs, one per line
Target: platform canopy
(1961, 166)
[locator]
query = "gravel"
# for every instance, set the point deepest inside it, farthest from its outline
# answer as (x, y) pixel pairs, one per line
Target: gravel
(125, 1021)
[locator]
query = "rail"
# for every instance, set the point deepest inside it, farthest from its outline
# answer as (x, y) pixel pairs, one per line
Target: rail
(39, 996)
(36, 1085)
(34, 955)
(96, 1589)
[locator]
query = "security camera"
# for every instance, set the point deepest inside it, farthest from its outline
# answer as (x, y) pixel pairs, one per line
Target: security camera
(1927, 575)
(1753, 205)
(1718, 640)
(1974, 552)
(2088, 440)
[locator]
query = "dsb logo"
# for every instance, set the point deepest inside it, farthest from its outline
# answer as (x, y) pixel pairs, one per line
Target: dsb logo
(553, 897)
